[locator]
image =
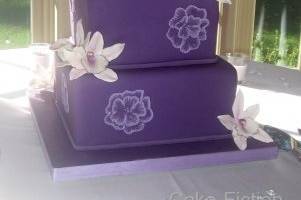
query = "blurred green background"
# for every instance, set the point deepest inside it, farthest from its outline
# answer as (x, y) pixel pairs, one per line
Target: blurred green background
(266, 45)
(14, 23)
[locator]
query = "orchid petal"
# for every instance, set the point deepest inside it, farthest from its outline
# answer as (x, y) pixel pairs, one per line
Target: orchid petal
(59, 44)
(75, 57)
(101, 62)
(61, 64)
(96, 43)
(76, 73)
(242, 131)
(87, 40)
(61, 55)
(69, 46)
(251, 112)
(239, 140)
(80, 34)
(80, 51)
(114, 51)
(262, 136)
(108, 75)
(238, 105)
(227, 121)
(60, 52)
(250, 126)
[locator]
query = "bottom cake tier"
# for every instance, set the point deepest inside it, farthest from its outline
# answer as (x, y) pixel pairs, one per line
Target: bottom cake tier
(66, 163)
(146, 106)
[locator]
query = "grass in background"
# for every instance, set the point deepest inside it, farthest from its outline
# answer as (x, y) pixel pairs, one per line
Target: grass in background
(14, 23)
(269, 44)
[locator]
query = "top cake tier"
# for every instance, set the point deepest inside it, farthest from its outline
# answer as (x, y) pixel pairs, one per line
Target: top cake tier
(155, 32)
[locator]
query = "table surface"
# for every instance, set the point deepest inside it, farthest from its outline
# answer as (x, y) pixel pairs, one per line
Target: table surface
(24, 172)
(278, 91)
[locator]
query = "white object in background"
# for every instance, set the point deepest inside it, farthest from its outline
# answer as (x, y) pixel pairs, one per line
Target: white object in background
(225, 1)
(42, 66)
(240, 61)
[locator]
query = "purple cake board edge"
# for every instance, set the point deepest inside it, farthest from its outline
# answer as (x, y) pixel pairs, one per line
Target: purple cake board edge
(160, 164)
(66, 163)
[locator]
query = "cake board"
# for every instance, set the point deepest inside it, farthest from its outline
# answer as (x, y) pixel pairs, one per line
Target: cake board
(66, 163)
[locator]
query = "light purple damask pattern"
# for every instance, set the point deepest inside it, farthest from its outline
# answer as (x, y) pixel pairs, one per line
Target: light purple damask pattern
(128, 111)
(187, 29)
(64, 93)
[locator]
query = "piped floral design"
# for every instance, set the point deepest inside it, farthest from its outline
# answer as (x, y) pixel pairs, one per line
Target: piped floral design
(128, 111)
(243, 124)
(187, 29)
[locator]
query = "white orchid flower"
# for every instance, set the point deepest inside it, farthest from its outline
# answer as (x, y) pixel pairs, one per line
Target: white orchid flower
(225, 1)
(68, 44)
(59, 46)
(90, 56)
(243, 124)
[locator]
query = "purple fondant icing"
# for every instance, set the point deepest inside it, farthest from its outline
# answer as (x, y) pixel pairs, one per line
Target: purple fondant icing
(185, 102)
(156, 33)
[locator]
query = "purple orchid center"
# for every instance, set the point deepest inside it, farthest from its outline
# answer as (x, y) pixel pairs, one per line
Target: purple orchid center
(91, 58)
(242, 123)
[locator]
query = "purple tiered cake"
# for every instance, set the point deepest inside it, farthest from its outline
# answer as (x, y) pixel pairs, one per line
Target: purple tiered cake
(171, 85)
(149, 102)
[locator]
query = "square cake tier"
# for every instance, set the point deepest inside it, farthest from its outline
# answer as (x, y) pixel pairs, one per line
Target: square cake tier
(146, 106)
(155, 33)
